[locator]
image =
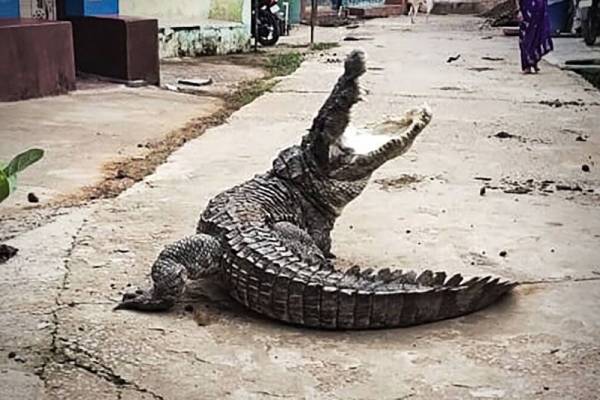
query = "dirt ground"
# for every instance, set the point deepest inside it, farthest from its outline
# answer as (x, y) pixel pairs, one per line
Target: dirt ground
(525, 139)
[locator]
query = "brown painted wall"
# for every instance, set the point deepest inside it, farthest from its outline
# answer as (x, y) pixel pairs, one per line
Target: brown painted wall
(36, 59)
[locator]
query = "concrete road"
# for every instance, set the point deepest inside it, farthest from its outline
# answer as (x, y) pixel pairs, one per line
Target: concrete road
(60, 338)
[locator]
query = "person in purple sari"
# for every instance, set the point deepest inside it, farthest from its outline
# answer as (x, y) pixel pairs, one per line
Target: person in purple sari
(535, 38)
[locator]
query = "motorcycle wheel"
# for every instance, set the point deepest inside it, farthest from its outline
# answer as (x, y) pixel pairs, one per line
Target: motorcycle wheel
(589, 27)
(268, 31)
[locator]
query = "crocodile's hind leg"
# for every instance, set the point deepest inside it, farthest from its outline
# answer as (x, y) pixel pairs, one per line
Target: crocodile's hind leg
(193, 257)
(301, 243)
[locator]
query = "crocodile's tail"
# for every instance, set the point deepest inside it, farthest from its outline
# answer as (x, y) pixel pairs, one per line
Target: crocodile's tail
(387, 299)
(272, 281)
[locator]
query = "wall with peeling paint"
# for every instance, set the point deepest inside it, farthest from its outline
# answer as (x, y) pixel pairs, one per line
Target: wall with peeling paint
(223, 10)
(227, 10)
(166, 9)
(203, 40)
(196, 27)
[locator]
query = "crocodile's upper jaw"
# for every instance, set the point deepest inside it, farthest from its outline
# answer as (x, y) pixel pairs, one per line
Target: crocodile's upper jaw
(360, 151)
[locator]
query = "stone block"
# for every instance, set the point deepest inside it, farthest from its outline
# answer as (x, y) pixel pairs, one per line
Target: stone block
(36, 58)
(118, 47)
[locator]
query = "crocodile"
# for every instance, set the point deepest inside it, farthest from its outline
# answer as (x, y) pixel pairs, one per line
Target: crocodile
(268, 240)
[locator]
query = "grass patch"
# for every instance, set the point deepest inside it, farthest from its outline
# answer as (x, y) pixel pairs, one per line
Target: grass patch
(283, 64)
(322, 46)
(249, 91)
(280, 64)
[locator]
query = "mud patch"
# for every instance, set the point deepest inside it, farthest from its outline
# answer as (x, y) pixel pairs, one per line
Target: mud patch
(404, 180)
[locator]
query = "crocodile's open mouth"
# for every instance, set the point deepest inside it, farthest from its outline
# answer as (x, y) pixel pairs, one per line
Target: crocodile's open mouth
(367, 140)
(359, 151)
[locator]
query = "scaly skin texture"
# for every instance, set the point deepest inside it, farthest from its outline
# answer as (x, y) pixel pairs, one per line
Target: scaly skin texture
(268, 239)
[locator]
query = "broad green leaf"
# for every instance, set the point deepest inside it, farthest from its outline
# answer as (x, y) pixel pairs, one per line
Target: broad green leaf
(4, 186)
(22, 161)
(12, 183)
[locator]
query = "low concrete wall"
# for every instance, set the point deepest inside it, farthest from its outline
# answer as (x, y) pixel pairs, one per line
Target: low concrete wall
(196, 27)
(206, 39)
(128, 51)
(36, 59)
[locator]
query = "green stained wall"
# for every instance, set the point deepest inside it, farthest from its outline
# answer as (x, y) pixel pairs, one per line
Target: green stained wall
(226, 10)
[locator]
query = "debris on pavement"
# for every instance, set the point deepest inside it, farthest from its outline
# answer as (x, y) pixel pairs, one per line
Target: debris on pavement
(573, 188)
(557, 103)
(504, 135)
(32, 198)
(7, 252)
(480, 69)
(503, 14)
(492, 58)
(356, 38)
(451, 59)
(171, 87)
(585, 168)
(195, 82)
(521, 139)
(510, 31)
(533, 187)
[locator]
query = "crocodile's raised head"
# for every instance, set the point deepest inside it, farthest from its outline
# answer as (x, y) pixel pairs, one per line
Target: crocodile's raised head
(336, 159)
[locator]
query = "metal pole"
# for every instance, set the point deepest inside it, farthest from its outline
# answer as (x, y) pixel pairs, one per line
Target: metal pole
(313, 16)
(255, 25)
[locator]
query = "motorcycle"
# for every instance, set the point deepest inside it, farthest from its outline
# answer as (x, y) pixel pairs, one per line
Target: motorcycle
(268, 23)
(590, 20)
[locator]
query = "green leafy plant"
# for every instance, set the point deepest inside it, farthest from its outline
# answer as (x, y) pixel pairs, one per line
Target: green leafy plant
(8, 173)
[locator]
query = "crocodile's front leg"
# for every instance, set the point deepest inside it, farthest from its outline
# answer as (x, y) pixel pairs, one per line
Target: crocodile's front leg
(193, 257)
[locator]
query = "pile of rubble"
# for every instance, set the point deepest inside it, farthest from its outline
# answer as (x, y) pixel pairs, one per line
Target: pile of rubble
(503, 14)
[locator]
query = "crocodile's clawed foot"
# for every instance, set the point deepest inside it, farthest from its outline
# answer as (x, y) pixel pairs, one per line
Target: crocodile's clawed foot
(144, 300)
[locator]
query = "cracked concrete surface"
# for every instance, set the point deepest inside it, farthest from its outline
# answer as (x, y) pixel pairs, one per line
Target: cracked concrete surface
(61, 339)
